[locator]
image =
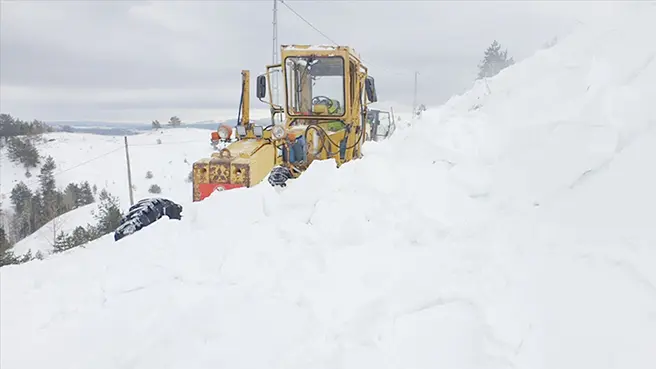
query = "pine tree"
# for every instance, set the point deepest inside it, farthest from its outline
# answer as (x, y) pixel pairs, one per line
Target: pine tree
(21, 199)
(23, 151)
(26, 257)
(71, 196)
(8, 258)
(156, 124)
(47, 178)
(175, 121)
(109, 213)
(37, 216)
(4, 242)
(52, 199)
(494, 61)
(62, 243)
(86, 194)
(80, 236)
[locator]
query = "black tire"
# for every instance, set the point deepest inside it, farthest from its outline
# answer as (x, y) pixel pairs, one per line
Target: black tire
(279, 176)
(145, 212)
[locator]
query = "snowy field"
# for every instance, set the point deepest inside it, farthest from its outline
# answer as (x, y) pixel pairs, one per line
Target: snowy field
(521, 234)
(101, 161)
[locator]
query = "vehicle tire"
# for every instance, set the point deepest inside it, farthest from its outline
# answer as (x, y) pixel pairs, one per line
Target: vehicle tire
(145, 212)
(279, 176)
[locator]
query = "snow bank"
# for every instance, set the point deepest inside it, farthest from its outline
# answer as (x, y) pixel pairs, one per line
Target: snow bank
(517, 235)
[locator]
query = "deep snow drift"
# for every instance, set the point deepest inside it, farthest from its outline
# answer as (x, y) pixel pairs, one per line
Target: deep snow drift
(517, 235)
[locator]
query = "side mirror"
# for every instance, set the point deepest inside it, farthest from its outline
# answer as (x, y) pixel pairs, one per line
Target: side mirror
(370, 88)
(261, 86)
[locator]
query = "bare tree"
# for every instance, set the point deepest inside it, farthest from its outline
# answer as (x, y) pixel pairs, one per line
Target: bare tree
(54, 227)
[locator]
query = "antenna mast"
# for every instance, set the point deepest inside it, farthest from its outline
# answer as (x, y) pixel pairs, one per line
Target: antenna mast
(275, 56)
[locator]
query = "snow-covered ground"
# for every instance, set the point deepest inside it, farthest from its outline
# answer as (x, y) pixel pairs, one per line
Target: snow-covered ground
(101, 161)
(518, 235)
(43, 239)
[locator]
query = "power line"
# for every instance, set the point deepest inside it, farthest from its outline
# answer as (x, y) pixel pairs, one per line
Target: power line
(307, 22)
(335, 43)
(165, 143)
(35, 180)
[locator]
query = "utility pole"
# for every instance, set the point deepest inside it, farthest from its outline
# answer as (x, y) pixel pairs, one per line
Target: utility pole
(127, 159)
(275, 52)
(414, 100)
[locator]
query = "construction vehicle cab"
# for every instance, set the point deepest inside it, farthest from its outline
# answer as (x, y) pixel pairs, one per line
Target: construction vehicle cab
(323, 116)
(327, 90)
(380, 125)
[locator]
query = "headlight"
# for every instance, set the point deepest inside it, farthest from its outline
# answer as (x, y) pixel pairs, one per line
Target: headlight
(278, 132)
(241, 130)
(224, 132)
(257, 130)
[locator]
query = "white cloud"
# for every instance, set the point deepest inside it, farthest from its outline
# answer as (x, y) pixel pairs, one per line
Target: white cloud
(132, 60)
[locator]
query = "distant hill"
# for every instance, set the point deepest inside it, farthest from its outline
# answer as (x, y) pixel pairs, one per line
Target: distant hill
(132, 128)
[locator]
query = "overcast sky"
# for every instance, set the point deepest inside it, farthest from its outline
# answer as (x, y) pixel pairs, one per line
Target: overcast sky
(137, 61)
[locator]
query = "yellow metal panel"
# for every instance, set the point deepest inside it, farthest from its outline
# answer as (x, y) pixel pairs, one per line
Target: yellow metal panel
(259, 165)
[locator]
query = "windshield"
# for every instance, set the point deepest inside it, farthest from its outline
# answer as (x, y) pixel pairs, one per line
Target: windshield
(315, 85)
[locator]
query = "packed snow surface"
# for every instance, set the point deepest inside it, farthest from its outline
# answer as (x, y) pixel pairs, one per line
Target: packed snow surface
(520, 234)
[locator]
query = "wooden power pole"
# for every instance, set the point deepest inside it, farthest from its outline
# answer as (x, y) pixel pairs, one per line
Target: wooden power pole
(127, 159)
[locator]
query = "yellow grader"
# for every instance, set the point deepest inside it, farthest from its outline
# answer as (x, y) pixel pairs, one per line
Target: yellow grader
(324, 116)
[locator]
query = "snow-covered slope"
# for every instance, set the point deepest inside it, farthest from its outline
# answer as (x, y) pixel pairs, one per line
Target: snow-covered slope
(101, 160)
(518, 235)
(43, 239)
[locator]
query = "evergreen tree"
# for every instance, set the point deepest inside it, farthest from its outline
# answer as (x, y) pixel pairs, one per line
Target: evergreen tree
(156, 124)
(4, 242)
(71, 196)
(20, 197)
(37, 216)
(23, 151)
(109, 213)
(8, 258)
(26, 257)
(175, 121)
(47, 178)
(52, 199)
(86, 195)
(62, 243)
(494, 61)
(80, 236)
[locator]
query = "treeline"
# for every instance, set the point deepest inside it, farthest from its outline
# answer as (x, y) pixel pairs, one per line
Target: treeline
(33, 210)
(108, 218)
(11, 127)
(21, 138)
(173, 122)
